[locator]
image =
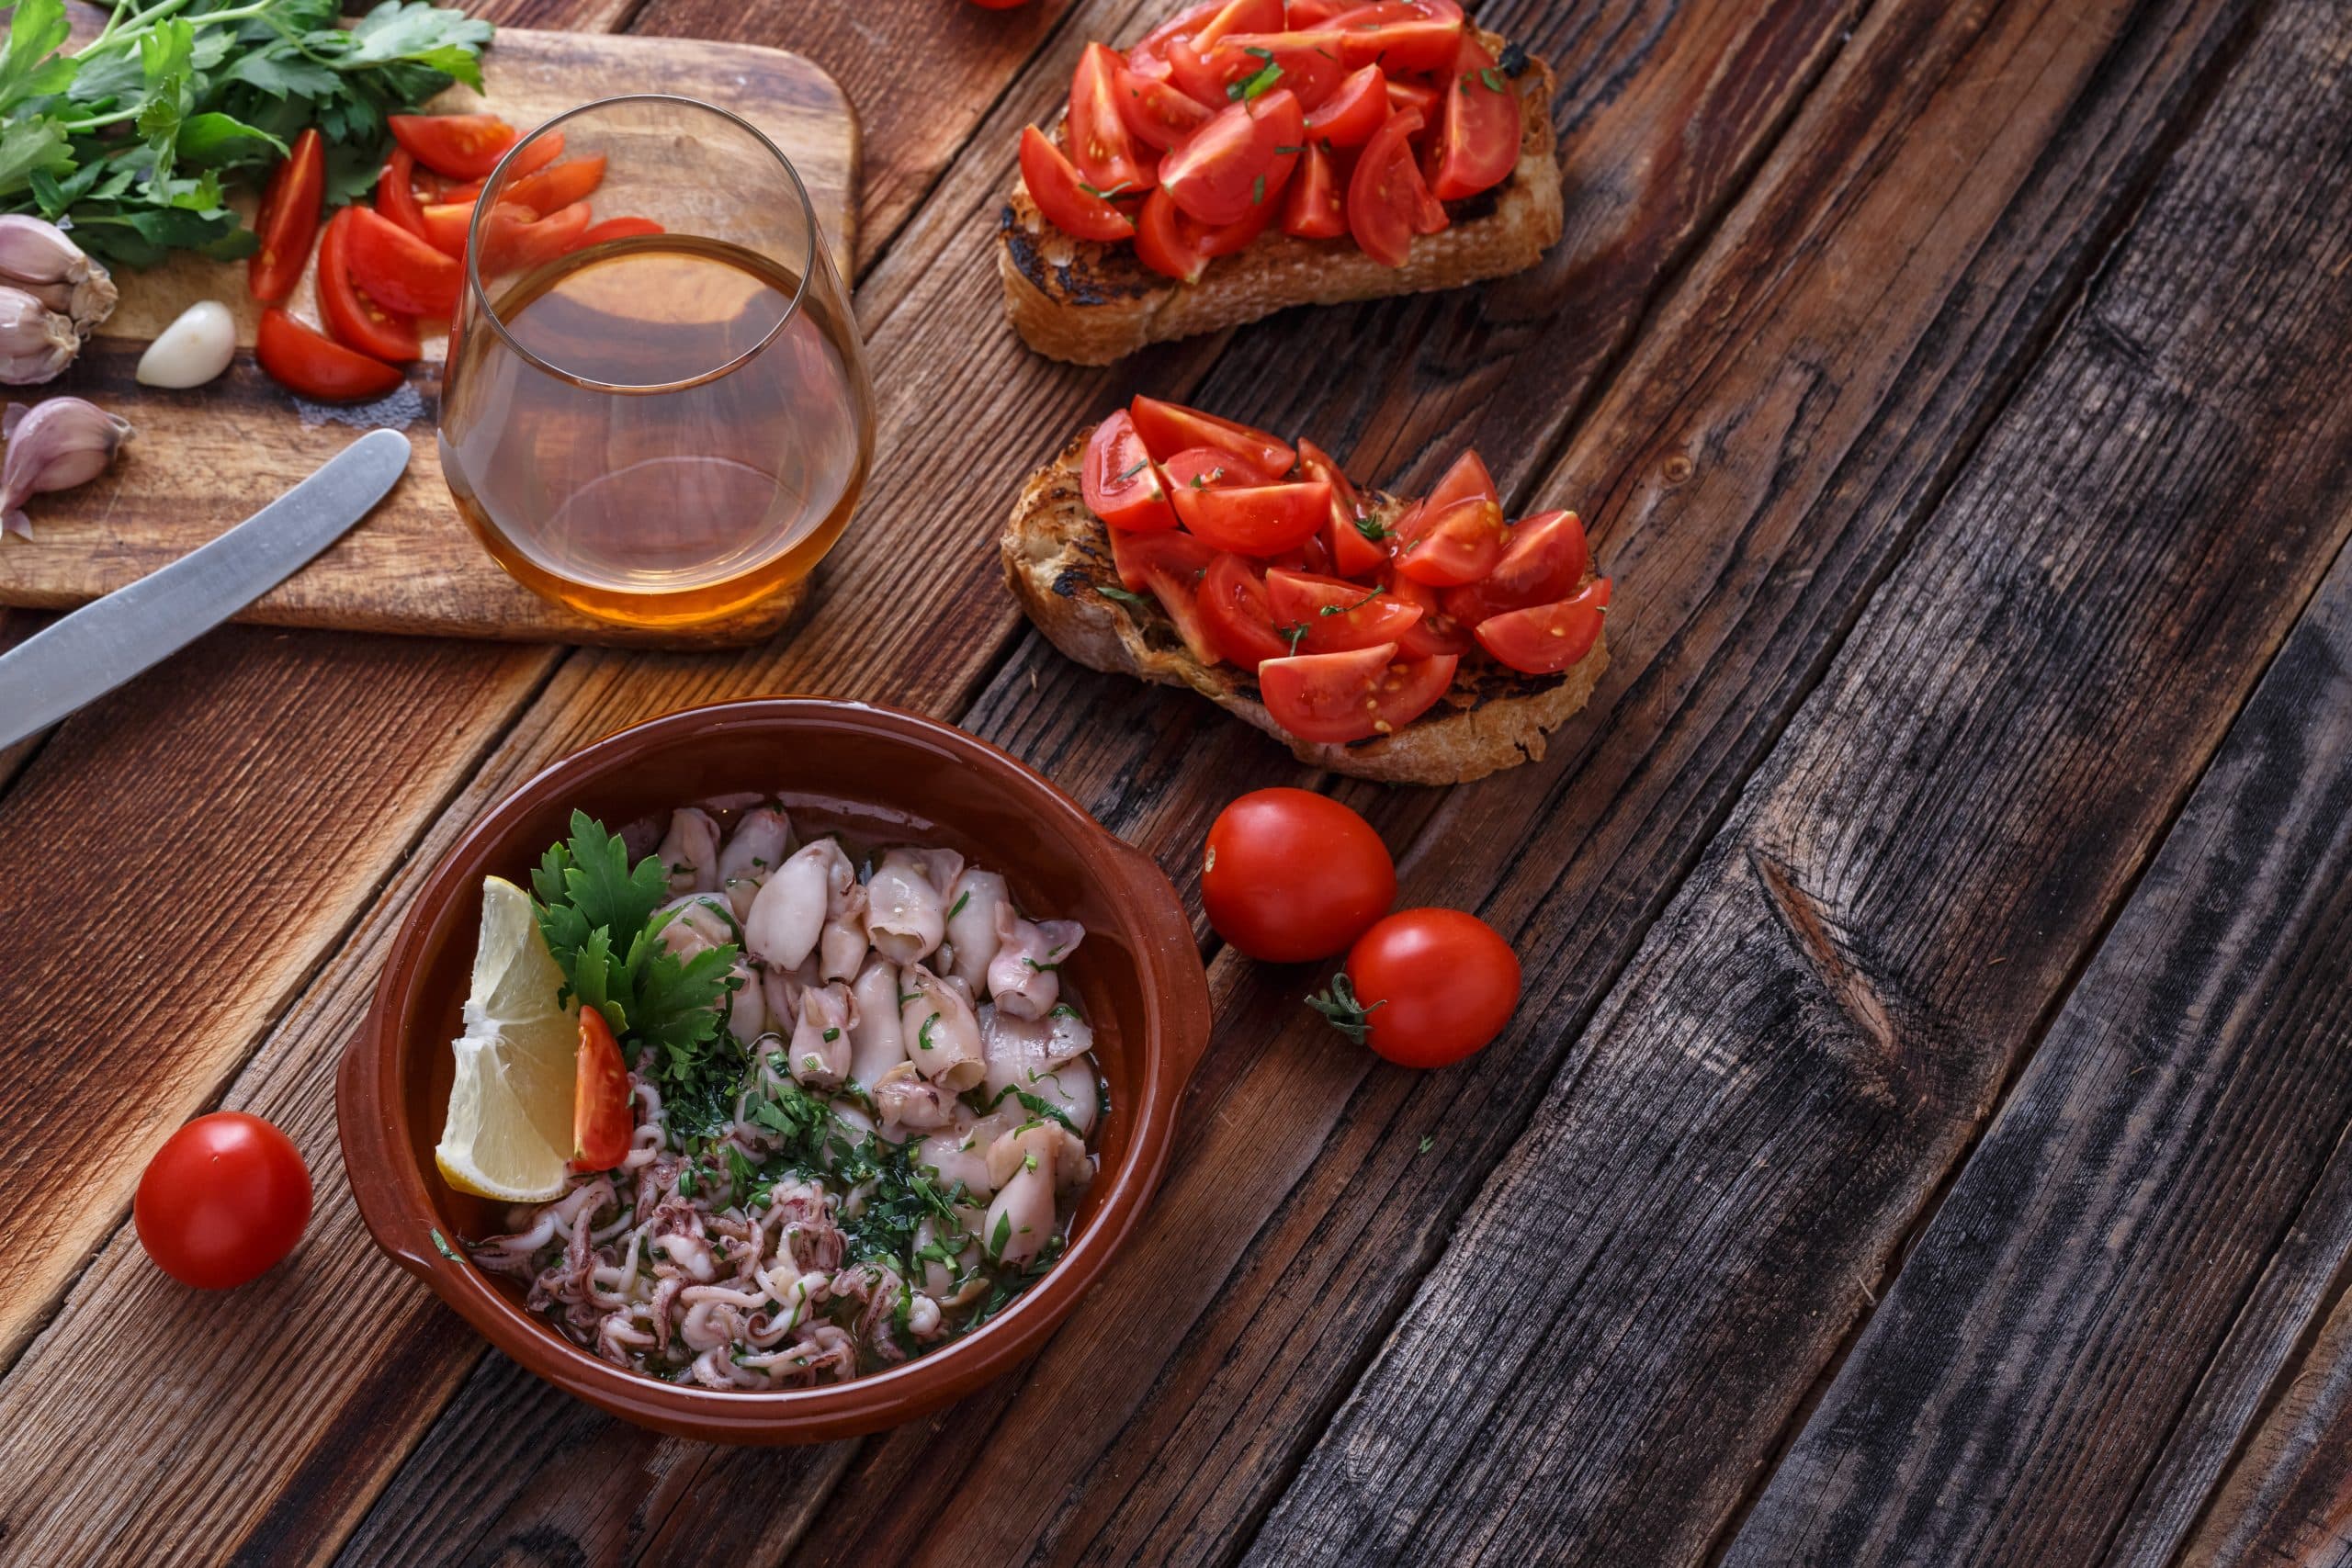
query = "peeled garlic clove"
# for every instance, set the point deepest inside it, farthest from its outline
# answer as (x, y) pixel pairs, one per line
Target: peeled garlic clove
(36, 342)
(193, 349)
(53, 446)
(38, 258)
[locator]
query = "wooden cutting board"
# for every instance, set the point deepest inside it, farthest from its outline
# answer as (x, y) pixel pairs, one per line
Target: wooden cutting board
(203, 460)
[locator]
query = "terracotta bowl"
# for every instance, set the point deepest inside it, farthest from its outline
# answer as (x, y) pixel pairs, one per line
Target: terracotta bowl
(869, 770)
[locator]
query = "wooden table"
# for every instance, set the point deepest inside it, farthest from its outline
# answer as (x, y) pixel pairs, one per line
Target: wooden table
(1923, 1138)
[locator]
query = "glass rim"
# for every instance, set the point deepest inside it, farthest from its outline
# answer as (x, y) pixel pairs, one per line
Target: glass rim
(480, 293)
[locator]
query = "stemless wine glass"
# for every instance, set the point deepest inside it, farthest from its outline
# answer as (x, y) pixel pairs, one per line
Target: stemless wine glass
(657, 414)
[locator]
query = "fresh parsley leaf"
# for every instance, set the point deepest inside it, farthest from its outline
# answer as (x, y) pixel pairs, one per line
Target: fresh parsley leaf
(1113, 591)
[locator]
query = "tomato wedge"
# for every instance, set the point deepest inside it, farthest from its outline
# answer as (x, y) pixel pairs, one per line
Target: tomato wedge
(314, 365)
(602, 1121)
(1168, 242)
(1438, 631)
(1097, 134)
(1178, 597)
(1206, 467)
(1400, 34)
(537, 155)
(1167, 428)
(1307, 15)
(1353, 112)
(513, 241)
(1147, 56)
(1419, 96)
(617, 229)
(1054, 186)
(396, 196)
(1155, 113)
(1386, 193)
(556, 187)
(1338, 615)
(1119, 482)
(1255, 520)
(400, 271)
(1547, 638)
(1172, 550)
(355, 319)
(289, 219)
(1546, 558)
(462, 146)
(446, 224)
(1338, 698)
(1237, 613)
(1477, 141)
(1306, 64)
(1238, 160)
(1354, 553)
(1460, 543)
(1312, 210)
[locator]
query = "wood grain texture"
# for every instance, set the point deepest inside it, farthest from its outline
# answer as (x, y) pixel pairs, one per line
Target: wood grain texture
(1303, 1201)
(203, 459)
(1811, 1036)
(2052, 1323)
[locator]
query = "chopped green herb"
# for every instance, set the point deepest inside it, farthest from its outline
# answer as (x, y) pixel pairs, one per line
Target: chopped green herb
(968, 892)
(831, 1035)
(1042, 968)
(1295, 633)
(1372, 528)
(1492, 78)
(1002, 1233)
(1285, 152)
(1113, 591)
(441, 1245)
(1426, 1143)
(1351, 609)
(1243, 91)
(1138, 466)
(1257, 191)
(923, 1035)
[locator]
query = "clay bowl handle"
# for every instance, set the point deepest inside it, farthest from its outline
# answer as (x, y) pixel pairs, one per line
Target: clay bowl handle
(1172, 959)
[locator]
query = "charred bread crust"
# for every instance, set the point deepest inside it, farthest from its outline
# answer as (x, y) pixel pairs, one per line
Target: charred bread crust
(1091, 303)
(1057, 562)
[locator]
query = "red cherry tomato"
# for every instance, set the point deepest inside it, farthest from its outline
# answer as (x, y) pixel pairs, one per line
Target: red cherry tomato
(1353, 552)
(1309, 14)
(1353, 112)
(1255, 520)
(400, 271)
(1167, 428)
(617, 229)
(396, 191)
(1477, 141)
(289, 220)
(1168, 242)
(513, 240)
(1100, 144)
(1175, 551)
(1309, 65)
(447, 224)
(353, 319)
(1547, 638)
(1179, 597)
(1291, 876)
(1338, 615)
(1384, 193)
(1236, 615)
(1438, 631)
(1238, 160)
(1545, 561)
(1211, 467)
(316, 365)
(1338, 698)
(1156, 114)
(1054, 184)
(462, 146)
(1400, 34)
(1312, 210)
(1457, 534)
(602, 1120)
(223, 1200)
(556, 187)
(1427, 988)
(1119, 480)
(1147, 56)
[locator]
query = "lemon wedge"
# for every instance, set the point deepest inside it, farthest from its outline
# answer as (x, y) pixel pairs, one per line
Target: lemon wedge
(509, 1131)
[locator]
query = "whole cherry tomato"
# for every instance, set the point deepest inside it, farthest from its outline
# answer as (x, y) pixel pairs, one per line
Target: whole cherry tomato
(1425, 988)
(223, 1200)
(1293, 875)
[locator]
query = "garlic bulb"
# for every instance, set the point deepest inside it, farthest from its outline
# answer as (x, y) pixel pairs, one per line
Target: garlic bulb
(38, 258)
(195, 348)
(53, 446)
(36, 342)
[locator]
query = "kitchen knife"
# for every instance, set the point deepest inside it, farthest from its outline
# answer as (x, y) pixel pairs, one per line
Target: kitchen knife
(108, 641)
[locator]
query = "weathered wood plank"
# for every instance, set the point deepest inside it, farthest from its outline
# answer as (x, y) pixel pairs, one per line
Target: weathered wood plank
(1809, 1039)
(125, 939)
(1309, 1192)
(2053, 1320)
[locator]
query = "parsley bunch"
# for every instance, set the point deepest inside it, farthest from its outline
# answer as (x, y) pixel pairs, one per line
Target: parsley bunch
(131, 139)
(603, 921)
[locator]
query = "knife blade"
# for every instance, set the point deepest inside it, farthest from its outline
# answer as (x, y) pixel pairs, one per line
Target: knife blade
(108, 641)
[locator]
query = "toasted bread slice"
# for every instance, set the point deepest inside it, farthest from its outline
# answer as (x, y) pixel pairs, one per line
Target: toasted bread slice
(1091, 303)
(1058, 560)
